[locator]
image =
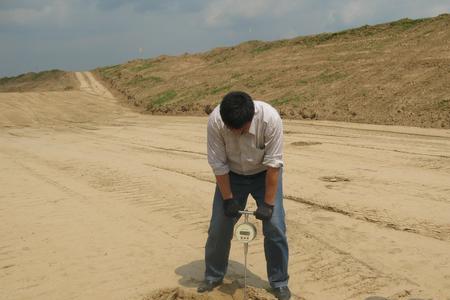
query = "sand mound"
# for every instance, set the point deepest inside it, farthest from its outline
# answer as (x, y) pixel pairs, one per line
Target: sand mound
(175, 293)
(231, 291)
(52, 80)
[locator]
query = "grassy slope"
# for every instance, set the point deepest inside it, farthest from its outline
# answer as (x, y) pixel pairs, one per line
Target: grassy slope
(394, 73)
(53, 80)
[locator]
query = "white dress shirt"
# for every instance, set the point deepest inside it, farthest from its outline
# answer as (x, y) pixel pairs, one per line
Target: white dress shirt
(248, 153)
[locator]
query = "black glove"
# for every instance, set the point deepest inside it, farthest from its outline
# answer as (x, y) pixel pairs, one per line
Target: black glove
(231, 208)
(264, 211)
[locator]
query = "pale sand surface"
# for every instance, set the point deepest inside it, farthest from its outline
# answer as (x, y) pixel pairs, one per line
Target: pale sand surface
(97, 202)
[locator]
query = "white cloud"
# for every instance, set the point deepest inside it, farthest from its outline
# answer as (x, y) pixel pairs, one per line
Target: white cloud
(439, 9)
(353, 11)
(224, 12)
(55, 11)
(356, 11)
(74, 34)
(289, 34)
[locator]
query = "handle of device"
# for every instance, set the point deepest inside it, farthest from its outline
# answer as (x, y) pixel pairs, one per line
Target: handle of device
(246, 212)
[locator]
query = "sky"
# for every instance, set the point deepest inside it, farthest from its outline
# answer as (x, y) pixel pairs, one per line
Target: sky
(38, 35)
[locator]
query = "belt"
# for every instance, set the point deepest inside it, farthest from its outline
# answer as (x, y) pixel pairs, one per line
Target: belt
(248, 176)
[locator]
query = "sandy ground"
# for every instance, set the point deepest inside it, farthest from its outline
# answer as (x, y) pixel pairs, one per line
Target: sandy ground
(97, 202)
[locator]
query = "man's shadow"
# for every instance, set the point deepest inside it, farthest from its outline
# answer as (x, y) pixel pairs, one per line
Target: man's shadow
(193, 273)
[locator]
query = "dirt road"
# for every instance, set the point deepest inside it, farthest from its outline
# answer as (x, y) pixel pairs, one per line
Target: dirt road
(97, 202)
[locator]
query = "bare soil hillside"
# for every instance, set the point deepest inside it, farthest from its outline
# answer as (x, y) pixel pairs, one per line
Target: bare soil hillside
(60, 108)
(393, 73)
(53, 80)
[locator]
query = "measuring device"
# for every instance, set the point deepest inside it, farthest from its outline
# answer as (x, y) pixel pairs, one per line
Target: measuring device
(245, 233)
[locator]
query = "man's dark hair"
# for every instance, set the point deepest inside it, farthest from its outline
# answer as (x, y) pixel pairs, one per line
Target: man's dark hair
(236, 109)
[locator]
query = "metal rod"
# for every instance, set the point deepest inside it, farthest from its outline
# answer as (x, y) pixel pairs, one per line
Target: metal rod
(245, 259)
(246, 213)
(245, 270)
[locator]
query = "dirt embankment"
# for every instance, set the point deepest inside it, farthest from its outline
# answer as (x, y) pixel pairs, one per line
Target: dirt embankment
(60, 108)
(53, 80)
(394, 73)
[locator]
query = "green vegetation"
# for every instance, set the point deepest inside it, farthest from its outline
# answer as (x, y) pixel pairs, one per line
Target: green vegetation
(302, 82)
(221, 59)
(220, 89)
(4, 80)
(259, 47)
(287, 99)
(318, 39)
(155, 79)
(199, 93)
(280, 101)
(219, 55)
(143, 66)
(444, 104)
(106, 69)
(51, 80)
(406, 24)
(363, 31)
(262, 48)
(326, 77)
(163, 98)
(140, 79)
(35, 76)
(109, 71)
(236, 75)
(313, 40)
(32, 76)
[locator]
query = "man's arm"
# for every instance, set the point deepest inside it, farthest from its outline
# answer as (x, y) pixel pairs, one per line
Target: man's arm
(273, 143)
(271, 185)
(265, 210)
(223, 181)
(217, 157)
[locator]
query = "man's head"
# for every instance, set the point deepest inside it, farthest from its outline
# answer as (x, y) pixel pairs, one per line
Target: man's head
(237, 110)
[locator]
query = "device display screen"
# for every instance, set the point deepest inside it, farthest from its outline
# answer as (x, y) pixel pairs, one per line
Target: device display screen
(244, 232)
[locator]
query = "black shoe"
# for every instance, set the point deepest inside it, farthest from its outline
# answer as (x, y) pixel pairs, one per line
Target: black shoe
(208, 285)
(282, 293)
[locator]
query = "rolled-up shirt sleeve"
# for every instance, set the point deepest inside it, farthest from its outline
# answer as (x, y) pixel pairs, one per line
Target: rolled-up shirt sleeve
(273, 156)
(217, 157)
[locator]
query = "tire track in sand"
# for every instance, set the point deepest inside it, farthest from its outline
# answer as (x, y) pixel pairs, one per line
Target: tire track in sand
(443, 234)
(97, 229)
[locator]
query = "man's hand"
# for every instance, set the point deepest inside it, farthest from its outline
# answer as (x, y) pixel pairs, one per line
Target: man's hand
(231, 208)
(264, 211)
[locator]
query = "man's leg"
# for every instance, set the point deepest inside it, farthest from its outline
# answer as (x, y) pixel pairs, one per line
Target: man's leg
(275, 241)
(217, 248)
(220, 233)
